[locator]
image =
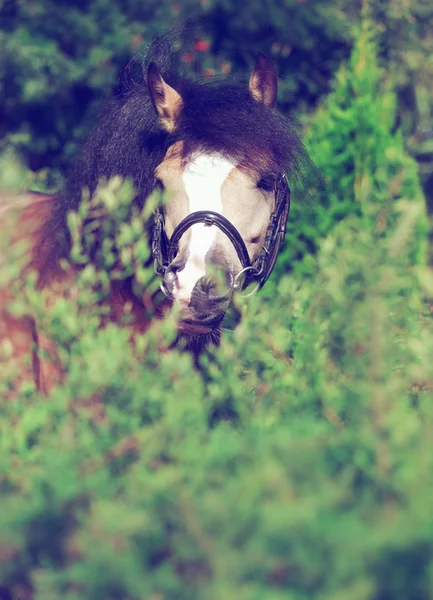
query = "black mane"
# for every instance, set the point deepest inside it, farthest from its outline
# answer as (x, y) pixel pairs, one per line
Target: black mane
(128, 139)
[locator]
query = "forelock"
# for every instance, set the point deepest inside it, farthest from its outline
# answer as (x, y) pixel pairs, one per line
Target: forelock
(224, 118)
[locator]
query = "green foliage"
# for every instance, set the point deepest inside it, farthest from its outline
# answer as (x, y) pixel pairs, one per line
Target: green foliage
(352, 139)
(57, 61)
(407, 45)
(15, 177)
(295, 464)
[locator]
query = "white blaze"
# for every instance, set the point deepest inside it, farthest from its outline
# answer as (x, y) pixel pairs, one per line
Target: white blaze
(203, 179)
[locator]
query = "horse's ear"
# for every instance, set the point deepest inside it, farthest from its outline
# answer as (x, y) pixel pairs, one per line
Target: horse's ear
(166, 101)
(263, 81)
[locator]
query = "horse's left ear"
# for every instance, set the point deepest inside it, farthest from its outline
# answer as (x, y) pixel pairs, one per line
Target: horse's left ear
(263, 81)
(166, 101)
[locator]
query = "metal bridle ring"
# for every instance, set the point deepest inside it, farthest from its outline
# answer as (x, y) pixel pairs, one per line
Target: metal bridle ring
(238, 283)
(164, 289)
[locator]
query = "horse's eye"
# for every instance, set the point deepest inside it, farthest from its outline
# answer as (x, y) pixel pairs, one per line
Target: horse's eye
(267, 183)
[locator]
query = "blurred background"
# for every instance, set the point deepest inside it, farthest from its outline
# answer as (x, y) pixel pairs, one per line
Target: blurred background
(298, 463)
(59, 59)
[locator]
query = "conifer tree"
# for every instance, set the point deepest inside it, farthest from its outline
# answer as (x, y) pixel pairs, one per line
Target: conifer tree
(354, 141)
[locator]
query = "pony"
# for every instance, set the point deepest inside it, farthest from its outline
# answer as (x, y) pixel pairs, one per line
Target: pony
(219, 149)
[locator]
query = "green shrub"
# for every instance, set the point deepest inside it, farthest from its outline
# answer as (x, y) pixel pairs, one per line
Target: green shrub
(297, 463)
(352, 139)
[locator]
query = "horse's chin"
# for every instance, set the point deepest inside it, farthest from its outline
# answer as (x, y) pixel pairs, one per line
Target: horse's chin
(198, 342)
(198, 327)
(192, 328)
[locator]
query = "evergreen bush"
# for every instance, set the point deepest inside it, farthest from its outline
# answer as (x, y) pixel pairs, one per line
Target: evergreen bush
(295, 464)
(353, 139)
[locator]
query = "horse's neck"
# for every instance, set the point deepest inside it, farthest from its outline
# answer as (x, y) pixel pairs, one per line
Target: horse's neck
(21, 223)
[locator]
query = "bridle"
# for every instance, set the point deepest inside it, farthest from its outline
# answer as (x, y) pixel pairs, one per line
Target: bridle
(164, 250)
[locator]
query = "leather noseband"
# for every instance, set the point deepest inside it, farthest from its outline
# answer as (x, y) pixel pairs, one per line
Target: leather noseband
(164, 250)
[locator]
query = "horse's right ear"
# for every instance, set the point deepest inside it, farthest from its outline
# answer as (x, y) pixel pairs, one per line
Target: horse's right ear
(264, 81)
(166, 101)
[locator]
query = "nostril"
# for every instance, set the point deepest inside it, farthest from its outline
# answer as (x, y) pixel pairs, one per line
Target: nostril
(207, 285)
(212, 290)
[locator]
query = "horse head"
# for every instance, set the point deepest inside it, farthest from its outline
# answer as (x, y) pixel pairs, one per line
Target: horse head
(228, 201)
